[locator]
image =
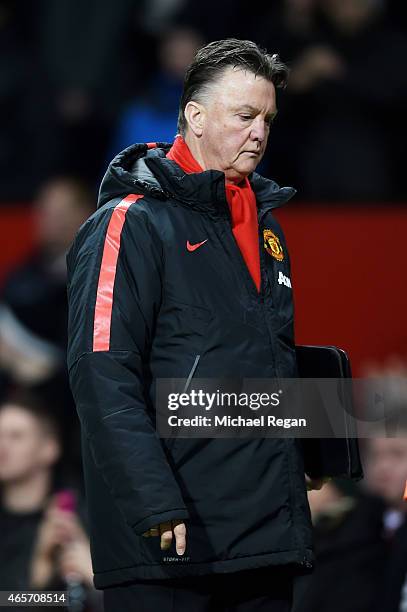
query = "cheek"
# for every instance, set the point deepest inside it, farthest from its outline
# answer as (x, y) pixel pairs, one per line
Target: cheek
(225, 141)
(225, 145)
(236, 142)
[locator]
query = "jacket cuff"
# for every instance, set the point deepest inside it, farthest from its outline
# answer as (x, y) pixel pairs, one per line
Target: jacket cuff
(155, 519)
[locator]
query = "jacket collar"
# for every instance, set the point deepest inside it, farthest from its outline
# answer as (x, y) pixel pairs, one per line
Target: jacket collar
(149, 171)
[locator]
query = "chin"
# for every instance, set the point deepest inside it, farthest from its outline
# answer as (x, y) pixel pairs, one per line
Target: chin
(247, 168)
(241, 171)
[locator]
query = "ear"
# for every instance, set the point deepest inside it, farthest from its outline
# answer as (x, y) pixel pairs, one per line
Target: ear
(195, 117)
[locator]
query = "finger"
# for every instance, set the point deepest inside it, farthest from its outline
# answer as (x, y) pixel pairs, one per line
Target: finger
(180, 532)
(166, 535)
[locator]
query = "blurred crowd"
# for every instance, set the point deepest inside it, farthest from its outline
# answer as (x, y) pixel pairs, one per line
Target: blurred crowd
(43, 524)
(78, 83)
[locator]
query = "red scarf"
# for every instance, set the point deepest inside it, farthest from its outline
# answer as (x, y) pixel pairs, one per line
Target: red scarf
(242, 205)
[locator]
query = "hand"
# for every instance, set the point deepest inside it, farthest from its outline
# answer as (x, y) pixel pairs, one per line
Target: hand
(57, 528)
(316, 483)
(164, 530)
(75, 559)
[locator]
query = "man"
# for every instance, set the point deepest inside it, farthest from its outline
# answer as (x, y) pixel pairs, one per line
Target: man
(34, 308)
(177, 275)
(347, 539)
(30, 448)
(386, 470)
(43, 539)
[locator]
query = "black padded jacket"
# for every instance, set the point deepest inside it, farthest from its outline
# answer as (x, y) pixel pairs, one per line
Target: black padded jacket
(144, 307)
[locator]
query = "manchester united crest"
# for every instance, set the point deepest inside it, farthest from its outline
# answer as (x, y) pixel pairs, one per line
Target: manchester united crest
(272, 245)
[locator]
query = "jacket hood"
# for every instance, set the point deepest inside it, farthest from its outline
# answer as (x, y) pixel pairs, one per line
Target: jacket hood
(144, 168)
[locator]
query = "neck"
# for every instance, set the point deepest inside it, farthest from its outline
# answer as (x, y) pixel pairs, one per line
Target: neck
(27, 495)
(194, 145)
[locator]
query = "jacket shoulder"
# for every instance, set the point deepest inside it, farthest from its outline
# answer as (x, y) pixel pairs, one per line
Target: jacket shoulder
(136, 210)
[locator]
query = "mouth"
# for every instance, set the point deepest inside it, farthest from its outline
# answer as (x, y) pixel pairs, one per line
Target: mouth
(254, 153)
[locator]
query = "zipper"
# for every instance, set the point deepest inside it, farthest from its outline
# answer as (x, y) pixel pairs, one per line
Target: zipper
(237, 255)
(260, 298)
(299, 541)
(263, 275)
(191, 372)
(252, 288)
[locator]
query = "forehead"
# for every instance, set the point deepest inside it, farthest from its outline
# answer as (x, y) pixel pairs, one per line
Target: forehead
(16, 417)
(237, 87)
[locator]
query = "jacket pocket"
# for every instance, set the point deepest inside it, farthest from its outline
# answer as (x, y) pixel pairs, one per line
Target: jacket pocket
(172, 442)
(181, 332)
(191, 373)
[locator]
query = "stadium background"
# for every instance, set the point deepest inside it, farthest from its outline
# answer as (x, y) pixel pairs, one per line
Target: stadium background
(79, 81)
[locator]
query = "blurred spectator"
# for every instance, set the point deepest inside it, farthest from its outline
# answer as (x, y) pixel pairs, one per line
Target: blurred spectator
(153, 115)
(81, 53)
(344, 107)
(354, 94)
(349, 551)
(386, 475)
(33, 302)
(33, 309)
(61, 554)
(17, 63)
(30, 448)
(44, 544)
(158, 15)
(217, 20)
(386, 384)
(287, 27)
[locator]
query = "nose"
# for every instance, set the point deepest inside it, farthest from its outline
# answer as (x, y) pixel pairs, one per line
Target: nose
(258, 131)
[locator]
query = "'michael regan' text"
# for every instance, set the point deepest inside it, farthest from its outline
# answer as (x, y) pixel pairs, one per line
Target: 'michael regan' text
(236, 421)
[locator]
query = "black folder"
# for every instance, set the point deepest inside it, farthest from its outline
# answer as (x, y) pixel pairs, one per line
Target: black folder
(335, 457)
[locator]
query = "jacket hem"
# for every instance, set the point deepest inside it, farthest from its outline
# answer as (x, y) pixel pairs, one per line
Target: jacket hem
(169, 570)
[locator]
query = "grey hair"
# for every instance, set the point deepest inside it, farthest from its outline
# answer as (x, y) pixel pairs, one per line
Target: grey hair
(211, 61)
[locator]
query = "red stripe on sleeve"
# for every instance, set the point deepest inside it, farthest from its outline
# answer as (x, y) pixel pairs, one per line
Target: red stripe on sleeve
(151, 145)
(107, 274)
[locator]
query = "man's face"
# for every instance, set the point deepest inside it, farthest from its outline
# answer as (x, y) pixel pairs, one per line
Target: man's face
(24, 449)
(237, 116)
(386, 469)
(59, 216)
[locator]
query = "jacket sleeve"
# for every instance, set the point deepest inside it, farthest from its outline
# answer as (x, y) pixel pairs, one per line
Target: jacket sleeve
(114, 293)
